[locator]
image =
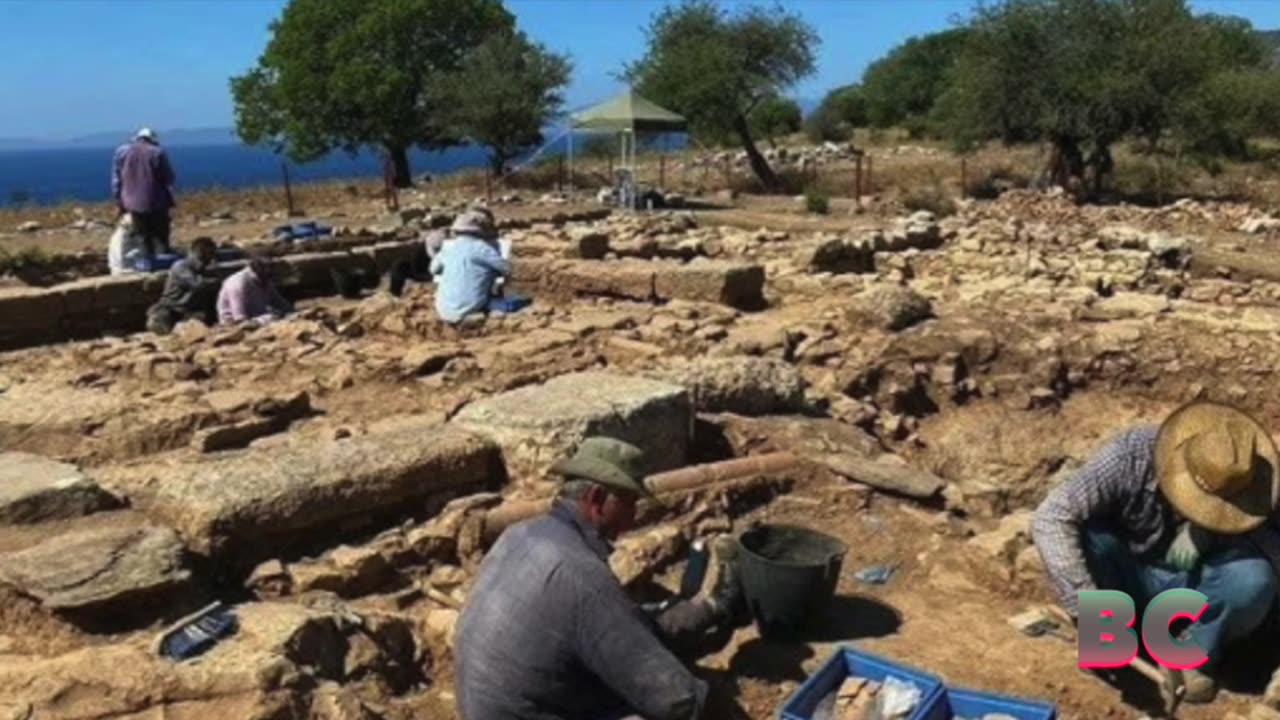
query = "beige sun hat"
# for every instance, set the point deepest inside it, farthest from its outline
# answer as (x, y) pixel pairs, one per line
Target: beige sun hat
(1217, 466)
(475, 222)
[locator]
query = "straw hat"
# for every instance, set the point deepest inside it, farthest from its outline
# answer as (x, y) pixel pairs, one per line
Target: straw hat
(1217, 467)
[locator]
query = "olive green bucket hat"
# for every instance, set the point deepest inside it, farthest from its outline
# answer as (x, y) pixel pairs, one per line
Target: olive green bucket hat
(612, 463)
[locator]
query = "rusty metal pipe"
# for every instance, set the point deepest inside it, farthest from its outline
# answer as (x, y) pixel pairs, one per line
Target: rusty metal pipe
(701, 475)
(667, 483)
(510, 513)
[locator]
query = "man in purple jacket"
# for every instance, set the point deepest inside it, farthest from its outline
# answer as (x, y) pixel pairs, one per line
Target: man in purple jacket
(142, 184)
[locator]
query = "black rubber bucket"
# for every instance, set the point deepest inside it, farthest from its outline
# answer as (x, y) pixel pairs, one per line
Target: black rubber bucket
(789, 576)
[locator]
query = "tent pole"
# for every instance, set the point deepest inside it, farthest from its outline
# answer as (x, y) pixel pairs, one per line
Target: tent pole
(684, 166)
(571, 188)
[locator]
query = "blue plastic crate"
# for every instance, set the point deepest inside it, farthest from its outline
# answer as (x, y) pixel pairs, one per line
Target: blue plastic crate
(972, 705)
(164, 261)
(849, 661)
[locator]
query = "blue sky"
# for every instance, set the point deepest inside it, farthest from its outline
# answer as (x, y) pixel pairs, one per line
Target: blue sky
(73, 67)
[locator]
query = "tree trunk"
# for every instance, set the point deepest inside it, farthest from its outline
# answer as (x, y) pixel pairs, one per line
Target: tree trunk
(1066, 162)
(759, 165)
(1101, 165)
(401, 176)
(498, 164)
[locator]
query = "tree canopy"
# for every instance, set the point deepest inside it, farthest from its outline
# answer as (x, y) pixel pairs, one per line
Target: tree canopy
(1085, 74)
(775, 117)
(901, 88)
(353, 73)
(504, 93)
(714, 68)
(834, 120)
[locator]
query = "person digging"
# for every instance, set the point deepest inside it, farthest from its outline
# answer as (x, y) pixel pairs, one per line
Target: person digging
(190, 290)
(547, 631)
(1186, 504)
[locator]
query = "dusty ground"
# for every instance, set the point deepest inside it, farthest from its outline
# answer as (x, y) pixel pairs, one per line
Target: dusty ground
(1049, 327)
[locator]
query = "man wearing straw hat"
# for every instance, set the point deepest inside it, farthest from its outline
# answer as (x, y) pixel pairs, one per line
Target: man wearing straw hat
(1179, 505)
(548, 632)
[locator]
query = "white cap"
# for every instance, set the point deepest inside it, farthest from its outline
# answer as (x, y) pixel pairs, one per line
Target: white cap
(146, 134)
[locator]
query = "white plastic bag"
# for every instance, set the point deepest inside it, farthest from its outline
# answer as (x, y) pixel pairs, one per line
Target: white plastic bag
(896, 699)
(126, 250)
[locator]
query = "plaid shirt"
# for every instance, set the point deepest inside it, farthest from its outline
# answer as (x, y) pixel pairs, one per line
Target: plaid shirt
(1117, 491)
(549, 634)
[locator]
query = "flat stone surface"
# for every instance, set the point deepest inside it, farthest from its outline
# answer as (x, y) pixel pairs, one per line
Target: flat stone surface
(55, 404)
(719, 281)
(231, 401)
(52, 418)
(537, 425)
(243, 676)
(1122, 306)
(244, 503)
(735, 284)
(742, 385)
(428, 358)
(82, 569)
(890, 307)
(35, 489)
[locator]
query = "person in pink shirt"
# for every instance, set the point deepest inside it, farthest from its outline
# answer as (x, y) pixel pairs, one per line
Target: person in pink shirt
(251, 294)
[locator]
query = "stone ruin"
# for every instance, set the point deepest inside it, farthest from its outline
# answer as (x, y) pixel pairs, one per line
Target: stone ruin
(914, 388)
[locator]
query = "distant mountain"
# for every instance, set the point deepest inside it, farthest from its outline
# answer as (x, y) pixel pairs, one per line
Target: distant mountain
(181, 137)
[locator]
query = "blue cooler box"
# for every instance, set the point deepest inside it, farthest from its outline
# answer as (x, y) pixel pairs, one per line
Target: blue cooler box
(848, 661)
(972, 705)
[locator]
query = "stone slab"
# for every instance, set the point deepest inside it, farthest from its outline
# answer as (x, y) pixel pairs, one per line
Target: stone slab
(100, 567)
(632, 279)
(735, 284)
(742, 385)
(249, 675)
(244, 505)
(36, 489)
(539, 424)
(56, 419)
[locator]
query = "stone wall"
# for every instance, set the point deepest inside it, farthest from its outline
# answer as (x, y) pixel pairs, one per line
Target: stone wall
(736, 284)
(118, 304)
(92, 307)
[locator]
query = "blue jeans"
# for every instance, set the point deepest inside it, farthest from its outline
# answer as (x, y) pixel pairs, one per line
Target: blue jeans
(508, 304)
(1239, 582)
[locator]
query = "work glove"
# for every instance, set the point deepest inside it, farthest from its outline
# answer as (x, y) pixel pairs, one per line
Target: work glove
(1185, 550)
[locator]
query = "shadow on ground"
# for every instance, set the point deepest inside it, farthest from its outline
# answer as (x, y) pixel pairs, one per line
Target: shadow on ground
(849, 618)
(1246, 670)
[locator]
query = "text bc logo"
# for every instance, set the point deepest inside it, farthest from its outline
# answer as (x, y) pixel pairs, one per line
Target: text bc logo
(1106, 635)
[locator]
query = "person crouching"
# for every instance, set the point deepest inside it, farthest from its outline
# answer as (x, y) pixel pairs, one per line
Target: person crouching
(468, 267)
(251, 294)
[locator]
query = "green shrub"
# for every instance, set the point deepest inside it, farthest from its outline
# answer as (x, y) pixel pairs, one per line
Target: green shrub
(817, 203)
